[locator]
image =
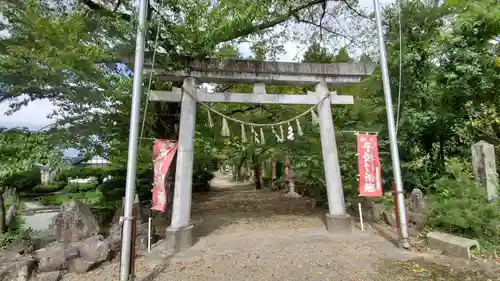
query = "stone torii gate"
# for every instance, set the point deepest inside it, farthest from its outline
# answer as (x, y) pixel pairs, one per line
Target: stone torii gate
(258, 73)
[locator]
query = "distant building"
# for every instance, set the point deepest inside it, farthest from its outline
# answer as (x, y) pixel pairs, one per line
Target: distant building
(47, 175)
(95, 161)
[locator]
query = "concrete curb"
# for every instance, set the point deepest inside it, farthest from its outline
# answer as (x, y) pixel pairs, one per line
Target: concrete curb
(451, 245)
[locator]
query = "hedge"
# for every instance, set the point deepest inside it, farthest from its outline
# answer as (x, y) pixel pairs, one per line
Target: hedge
(82, 173)
(78, 187)
(48, 188)
(24, 181)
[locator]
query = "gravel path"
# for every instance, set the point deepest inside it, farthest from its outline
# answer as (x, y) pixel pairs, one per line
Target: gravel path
(301, 254)
(245, 234)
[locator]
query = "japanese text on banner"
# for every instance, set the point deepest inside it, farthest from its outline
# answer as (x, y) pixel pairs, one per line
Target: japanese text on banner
(370, 179)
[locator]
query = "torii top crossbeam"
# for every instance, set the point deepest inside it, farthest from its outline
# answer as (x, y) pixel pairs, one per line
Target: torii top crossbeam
(269, 72)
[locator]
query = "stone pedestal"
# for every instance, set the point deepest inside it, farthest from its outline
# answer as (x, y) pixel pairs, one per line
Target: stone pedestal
(179, 240)
(338, 224)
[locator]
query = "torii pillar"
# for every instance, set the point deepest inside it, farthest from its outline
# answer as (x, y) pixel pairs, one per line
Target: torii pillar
(180, 232)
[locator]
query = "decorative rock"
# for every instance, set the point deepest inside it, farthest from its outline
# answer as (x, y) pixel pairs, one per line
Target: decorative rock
(48, 276)
(142, 229)
(417, 220)
(20, 271)
(390, 218)
(93, 251)
(54, 257)
(372, 211)
(115, 236)
(417, 201)
(115, 232)
(141, 241)
(416, 213)
(75, 222)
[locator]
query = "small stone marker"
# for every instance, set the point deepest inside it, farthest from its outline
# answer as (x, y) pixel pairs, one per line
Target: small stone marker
(417, 201)
(483, 162)
(416, 215)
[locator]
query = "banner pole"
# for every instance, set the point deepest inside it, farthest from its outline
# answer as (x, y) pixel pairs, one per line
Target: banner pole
(404, 241)
(361, 217)
(149, 234)
(125, 265)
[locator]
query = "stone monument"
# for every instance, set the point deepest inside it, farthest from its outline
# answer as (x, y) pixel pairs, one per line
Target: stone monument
(483, 162)
(417, 201)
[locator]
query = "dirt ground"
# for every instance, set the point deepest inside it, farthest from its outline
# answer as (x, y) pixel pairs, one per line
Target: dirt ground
(247, 234)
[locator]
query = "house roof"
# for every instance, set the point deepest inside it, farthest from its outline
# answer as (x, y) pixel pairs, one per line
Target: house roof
(96, 159)
(73, 160)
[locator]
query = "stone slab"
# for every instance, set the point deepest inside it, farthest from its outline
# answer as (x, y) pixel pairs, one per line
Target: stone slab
(338, 224)
(451, 245)
(252, 71)
(179, 240)
(176, 94)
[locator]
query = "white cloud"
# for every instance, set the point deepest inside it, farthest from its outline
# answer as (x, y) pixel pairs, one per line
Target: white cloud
(33, 116)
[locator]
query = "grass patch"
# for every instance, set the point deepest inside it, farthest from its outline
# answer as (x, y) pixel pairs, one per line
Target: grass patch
(428, 271)
(49, 188)
(58, 199)
(14, 234)
(11, 199)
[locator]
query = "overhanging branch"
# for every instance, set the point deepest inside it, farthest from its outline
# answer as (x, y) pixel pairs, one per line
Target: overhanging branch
(243, 110)
(324, 28)
(105, 12)
(260, 27)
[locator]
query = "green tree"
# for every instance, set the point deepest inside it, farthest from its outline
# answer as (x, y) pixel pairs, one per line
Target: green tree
(21, 151)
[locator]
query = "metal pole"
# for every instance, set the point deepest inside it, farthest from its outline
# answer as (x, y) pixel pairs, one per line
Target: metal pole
(132, 144)
(392, 130)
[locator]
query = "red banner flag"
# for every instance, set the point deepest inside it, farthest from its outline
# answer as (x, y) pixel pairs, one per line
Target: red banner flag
(163, 154)
(370, 175)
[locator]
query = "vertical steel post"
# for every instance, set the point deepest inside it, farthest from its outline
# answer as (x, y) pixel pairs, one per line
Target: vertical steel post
(132, 143)
(392, 130)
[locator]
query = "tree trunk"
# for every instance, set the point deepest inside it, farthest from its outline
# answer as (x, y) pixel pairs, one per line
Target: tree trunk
(441, 154)
(274, 176)
(257, 174)
(273, 169)
(256, 171)
(3, 226)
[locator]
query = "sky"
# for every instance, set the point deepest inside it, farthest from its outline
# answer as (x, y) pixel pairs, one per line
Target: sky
(34, 116)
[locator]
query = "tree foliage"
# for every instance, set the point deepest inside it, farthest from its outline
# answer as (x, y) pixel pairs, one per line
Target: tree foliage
(443, 64)
(20, 151)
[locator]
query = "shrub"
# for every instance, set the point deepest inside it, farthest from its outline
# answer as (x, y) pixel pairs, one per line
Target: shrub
(113, 189)
(24, 181)
(86, 187)
(79, 187)
(55, 200)
(48, 188)
(82, 173)
(114, 183)
(15, 235)
(460, 207)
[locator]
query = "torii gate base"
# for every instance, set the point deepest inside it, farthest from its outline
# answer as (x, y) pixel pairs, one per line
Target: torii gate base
(180, 232)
